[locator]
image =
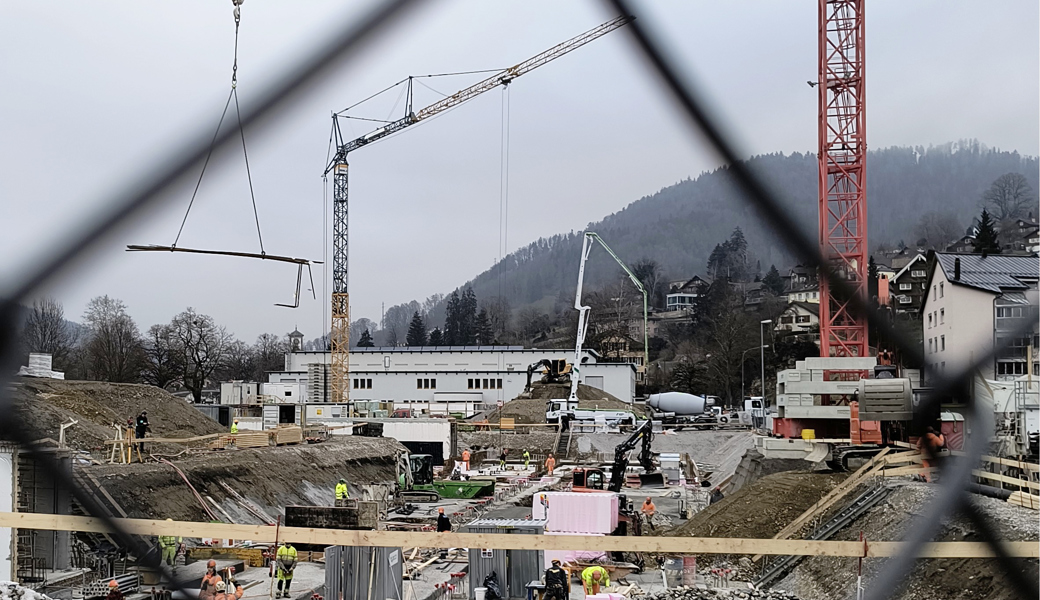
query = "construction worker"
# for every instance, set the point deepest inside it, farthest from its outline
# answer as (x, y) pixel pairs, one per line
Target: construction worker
(234, 426)
(227, 591)
(502, 458)
(113, 591)
(465, 460)
(557, 582)
(527, 459)
(929, 445)
(208, 589)
(443, 522)
(648, 511)
(168, 546)
(342, 493)
(285, 561)
(592, 578)
(141, 426)
(550, 464)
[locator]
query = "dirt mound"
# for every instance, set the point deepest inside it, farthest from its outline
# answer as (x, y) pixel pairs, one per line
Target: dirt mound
(45, 404)
(947, 579)
(763, 508)
(272, 478)
(530, 407)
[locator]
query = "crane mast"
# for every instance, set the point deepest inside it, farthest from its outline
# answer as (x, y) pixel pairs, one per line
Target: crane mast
(339, 343)
(842, 173)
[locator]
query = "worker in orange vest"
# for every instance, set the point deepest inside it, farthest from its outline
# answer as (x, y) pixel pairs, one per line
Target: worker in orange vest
(208, 590)
(465, 460)
(648, 511)
(550, 464)
(929, 445)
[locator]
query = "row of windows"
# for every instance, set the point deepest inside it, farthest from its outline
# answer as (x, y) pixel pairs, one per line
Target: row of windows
(937, 344)
(362, 384)
(425, 384)
(1014, 368)
(906, 287)
(1011, 312)
(484, 384)
(937, 292)
(938, 319)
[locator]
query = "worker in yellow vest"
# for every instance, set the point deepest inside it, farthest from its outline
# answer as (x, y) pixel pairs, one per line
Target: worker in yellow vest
(285, 560)
(342, 493)
(592, 578)
(234, 426)
(168, 545)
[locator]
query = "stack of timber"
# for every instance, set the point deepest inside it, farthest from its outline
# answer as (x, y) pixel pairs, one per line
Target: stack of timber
(258, 439)
(1025, 499)
(287, 434)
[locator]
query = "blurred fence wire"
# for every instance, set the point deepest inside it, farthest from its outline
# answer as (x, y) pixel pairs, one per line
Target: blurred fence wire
(131, 200)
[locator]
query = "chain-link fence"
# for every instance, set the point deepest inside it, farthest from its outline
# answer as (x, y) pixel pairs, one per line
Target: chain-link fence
(132, 199)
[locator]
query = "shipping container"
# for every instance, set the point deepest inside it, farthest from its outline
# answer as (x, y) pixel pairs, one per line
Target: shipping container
(515, 568)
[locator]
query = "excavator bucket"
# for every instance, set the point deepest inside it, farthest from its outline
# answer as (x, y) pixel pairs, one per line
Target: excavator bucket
(651, 480)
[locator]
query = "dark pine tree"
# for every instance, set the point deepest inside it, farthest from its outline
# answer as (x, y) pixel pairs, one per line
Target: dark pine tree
(986, 241)
(468, 318)
(366, 340)
(453, 321)
(436, 337)
(774, 281)
(416, 331)
(485, 334)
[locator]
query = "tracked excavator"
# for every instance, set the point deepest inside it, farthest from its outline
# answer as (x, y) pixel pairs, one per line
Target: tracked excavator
(594, 480)
(553, 371)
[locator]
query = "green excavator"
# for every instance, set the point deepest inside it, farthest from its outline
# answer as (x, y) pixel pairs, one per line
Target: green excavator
(416, 482)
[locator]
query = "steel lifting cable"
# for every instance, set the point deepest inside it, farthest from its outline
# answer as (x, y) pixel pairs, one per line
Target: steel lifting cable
(242, 134)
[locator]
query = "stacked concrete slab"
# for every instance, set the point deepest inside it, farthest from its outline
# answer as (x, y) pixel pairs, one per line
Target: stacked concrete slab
(40, 366)
(799, 390)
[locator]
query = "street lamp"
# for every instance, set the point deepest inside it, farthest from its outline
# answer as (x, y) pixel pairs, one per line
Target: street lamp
(762, 357)
(742, 355)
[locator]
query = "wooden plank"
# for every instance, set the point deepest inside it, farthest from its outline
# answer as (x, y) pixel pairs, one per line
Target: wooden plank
(152, 440)
(1022, 483)
(1035, 468)
(664, 545)
(908, 470)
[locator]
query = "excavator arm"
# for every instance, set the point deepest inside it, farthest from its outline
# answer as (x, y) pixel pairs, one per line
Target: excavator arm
(617, 472)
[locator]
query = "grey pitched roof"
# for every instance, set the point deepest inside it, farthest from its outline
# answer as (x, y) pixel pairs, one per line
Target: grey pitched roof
(994, 273)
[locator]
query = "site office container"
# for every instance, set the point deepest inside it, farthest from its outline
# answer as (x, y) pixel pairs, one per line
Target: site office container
(515, 568)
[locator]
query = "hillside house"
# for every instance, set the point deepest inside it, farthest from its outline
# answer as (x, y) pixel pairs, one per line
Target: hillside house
(973, 302)
(683, 295)
(908, 285)
(799, 318)
(962, 246)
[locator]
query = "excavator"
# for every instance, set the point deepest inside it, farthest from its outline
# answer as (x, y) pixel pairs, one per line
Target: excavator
(553, 371)
(416, 483)
(593, 480)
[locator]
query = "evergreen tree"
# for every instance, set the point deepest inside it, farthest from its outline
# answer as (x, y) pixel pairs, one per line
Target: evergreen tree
(774, 281)
(453, 321)
(468, 318)
(366, 340)
(986, 240)
(485, 334)
(436, 338)
(416, 331)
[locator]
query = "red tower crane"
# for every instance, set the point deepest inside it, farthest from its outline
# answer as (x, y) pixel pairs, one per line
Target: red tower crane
(842, 174)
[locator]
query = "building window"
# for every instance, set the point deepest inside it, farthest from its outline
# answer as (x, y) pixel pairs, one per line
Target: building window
(917, 273)
(905, 286)
(418, 384)
(469, 384)
(942, 315)
(499, 383)
(935, 295)
(942, 340)
(787, 320)
(802, 319)
(485, 383)
(288, 393)
(940, 289)
(433, 384)
(929, 345)
(943, 363)
(929, 320)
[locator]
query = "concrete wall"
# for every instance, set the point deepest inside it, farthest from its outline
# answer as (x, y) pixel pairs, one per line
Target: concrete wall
(238, 392)
(7, 504)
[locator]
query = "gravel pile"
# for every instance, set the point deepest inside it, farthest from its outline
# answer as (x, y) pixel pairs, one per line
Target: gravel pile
(531, 408)
(688, 593)
(10, 590)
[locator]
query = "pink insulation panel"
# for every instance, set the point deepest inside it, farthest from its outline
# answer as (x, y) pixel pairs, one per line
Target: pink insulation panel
(577, 512)
(566, 556)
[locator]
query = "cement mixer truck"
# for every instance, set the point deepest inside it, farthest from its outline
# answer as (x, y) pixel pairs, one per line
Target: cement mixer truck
(683, 409)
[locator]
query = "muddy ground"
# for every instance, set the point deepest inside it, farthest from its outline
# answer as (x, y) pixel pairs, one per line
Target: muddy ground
(820, 578)
(530, 408)
(44, 404)
(272, 478)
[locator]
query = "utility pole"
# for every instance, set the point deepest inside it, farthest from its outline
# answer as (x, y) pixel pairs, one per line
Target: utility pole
(762, 357)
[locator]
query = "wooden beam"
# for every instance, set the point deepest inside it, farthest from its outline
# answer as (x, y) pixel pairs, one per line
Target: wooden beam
(663, 545)
(150, 440)
(1022, 483)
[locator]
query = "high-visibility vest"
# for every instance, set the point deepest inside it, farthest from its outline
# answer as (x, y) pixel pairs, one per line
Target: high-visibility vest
(234, 428)
(586, 576)
(286, 554)
(341, 491)
(168, 540)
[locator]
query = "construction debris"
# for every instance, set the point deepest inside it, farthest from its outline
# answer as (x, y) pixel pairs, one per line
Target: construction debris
(690, 593)
(10, 590)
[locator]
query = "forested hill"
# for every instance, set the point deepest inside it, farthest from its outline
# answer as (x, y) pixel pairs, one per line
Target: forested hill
(681, 224)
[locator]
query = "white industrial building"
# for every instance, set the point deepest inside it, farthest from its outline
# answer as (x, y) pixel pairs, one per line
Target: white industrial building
(441, 379)
(972, 302)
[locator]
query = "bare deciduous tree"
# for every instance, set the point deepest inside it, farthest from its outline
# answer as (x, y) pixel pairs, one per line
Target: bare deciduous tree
(937, 229)
(162, 360)
(113, 350)
(46, 331)
(1008, 197)
(203, 345)
(269, 351)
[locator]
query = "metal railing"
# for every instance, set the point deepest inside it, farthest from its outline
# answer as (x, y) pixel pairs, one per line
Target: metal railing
(140, 192)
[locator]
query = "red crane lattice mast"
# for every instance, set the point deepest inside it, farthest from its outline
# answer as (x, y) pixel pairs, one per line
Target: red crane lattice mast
(842, 173)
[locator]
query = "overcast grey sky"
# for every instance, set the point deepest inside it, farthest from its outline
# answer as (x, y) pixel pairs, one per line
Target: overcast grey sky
(93, 93)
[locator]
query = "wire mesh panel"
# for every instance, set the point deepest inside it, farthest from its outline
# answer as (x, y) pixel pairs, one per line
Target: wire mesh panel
(130, 201)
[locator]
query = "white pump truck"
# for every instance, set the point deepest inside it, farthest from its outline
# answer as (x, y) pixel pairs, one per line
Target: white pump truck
(566, 410)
